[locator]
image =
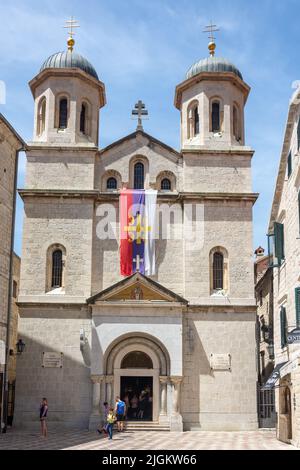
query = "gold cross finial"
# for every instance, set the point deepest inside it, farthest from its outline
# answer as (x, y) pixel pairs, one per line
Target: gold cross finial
(70, 24)
(211, 28)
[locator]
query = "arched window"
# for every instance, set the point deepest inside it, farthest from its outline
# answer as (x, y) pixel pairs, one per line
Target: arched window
(166, 184)
(63, 113)
(111, 183)
(136, 360)
(215, 116)
(218, 271)
(41, 124)
(57, 269)
(138, 176)
(235, 117)
(83, 118)
(193, 120)
(196, 121)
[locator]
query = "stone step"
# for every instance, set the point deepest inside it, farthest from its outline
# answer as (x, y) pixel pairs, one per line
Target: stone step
(146, 426)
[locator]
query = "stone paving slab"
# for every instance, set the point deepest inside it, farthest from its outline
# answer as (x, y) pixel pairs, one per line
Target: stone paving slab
(141, 440)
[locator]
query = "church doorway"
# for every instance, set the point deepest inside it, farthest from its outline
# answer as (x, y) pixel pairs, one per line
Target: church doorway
(136, 381)
(137, 392)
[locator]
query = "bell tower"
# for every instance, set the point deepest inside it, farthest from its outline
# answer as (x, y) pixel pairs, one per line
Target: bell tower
(211, 101)
(67, 96)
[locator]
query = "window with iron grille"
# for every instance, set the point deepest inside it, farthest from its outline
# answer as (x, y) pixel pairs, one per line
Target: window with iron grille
(139, 176)
(57, 268)
(82, 118)
(111, 183)
(166, 184)
(63, 113)
(196, 121)
(218, 271)
(215, 117)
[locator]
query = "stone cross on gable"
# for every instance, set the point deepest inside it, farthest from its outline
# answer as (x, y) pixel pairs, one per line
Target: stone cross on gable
(139, 111)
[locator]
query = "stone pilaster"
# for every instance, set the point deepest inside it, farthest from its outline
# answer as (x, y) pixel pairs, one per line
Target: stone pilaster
(176, 418)
(163, 412)
(95, 416)
(109, 379)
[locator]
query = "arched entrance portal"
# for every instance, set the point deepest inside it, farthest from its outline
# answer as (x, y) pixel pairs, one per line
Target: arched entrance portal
(139, 368)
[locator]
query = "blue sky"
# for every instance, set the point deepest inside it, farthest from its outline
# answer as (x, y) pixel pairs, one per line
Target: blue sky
(142, 49)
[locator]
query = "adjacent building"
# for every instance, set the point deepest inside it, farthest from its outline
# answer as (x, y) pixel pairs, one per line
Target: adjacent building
(13, 338)
(263, 277)
(10, 145)
(186, 335)
(284, 243)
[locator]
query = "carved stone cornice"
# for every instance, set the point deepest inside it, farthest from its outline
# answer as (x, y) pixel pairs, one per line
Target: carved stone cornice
(175, 380)
(109, 379)
(164, 379)
(97, 379)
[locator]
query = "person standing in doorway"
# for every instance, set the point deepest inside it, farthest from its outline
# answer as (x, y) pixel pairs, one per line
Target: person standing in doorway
(120, 410)
(43, 416)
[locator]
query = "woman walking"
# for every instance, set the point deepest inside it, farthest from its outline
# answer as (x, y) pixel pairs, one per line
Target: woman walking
(43, 417)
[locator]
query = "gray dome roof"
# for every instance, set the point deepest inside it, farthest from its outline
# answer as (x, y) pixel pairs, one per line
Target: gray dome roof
(213, 64)
(69, 59)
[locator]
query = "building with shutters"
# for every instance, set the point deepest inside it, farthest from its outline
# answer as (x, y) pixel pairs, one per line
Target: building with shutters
(263, 278)
(10, 145)
(284, 246)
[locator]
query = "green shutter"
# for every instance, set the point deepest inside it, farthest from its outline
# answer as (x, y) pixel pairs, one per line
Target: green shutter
(283, 327)
(289, 165)
(279, 241)
(297, 304)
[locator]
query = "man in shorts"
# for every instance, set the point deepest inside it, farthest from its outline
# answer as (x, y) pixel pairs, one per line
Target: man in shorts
(120, 411)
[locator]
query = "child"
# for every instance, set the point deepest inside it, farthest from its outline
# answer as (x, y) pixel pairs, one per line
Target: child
(111, 418)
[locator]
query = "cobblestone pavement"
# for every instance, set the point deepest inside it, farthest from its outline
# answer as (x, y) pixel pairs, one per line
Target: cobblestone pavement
(149, 440)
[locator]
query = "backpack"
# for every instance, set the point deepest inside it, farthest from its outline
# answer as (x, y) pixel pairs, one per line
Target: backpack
(110, 418)
(120, 408)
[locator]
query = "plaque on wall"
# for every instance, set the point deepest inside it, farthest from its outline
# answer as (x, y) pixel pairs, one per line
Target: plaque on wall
(52, 359)
(220, 362)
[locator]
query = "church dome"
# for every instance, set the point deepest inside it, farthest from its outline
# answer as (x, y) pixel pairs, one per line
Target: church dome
(213, 64)
(69, 59)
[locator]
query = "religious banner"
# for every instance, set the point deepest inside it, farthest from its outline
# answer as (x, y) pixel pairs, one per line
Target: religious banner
(137, 231)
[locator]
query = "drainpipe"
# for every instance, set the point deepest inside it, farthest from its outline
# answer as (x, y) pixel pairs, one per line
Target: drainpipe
(12, 240)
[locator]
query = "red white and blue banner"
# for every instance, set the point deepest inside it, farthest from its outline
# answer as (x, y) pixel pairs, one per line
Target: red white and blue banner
(137, 231)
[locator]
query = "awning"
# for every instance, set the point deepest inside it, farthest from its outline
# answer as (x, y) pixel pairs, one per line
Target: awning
(275, 376)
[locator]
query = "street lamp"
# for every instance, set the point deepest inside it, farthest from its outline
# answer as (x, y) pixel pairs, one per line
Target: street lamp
(20, 348)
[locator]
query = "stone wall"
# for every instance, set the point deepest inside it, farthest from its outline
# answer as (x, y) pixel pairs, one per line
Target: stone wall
(67, 222)
(68, 389)
(219, 399)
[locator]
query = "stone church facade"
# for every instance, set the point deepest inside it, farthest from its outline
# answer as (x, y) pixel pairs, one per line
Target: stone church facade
(192, 324)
